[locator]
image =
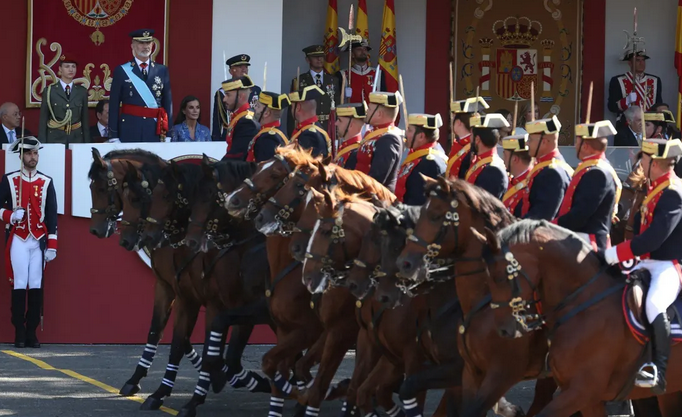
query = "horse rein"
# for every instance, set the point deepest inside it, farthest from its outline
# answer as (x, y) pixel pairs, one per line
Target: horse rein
(338, 236)
(258, 199)
(110, 211)
(284, 211)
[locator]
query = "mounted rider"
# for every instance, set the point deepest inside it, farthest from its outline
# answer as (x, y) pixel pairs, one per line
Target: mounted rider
(242, 127)
(267, 112)
(350, 120)
(459, 159)
(488, 171)
(658, 242)
(591, 201)
(308, 133)
(519, 163)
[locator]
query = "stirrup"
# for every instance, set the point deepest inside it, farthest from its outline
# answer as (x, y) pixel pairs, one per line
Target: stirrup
(645, 378)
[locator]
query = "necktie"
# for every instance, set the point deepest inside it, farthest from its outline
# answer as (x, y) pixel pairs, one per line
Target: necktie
(11, 136)
(144, 68)
(68, 91)
(105, 134)
(318, 80)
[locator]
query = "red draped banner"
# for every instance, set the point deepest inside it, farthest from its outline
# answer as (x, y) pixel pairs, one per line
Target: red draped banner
(94, 33)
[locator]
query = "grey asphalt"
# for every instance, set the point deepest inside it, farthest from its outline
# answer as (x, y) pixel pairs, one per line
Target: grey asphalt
(26, 390)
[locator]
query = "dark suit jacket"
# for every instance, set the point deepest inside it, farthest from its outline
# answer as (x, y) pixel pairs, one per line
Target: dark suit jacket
(95, 135)
(3, 136)
(625, 137)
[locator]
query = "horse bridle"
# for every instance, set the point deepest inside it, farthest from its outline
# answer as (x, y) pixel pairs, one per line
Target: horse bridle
(110, 211)
(145, 207)
(338, 236)
(258, 198)
(518, 305)
(284, 211)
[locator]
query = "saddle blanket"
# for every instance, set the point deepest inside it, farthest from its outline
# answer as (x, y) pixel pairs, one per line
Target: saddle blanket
(639, 330)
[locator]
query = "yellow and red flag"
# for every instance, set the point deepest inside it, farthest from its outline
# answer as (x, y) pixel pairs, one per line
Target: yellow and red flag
(678, 61)
(388, 58)
(331, 40)
(362, 27)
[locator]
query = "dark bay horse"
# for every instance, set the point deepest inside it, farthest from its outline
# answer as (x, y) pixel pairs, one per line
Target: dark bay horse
(444, 229)
(592, 354)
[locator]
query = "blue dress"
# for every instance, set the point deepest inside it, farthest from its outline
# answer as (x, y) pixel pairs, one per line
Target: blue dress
(181, 133)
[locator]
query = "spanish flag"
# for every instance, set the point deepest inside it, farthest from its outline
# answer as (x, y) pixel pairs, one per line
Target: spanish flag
(362, 28)
(388, 58)
(331, 40)
(678, 61)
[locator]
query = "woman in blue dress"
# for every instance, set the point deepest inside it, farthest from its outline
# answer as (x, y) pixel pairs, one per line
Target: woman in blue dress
(187, 127)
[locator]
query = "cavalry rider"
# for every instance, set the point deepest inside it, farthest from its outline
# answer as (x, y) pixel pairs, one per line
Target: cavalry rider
(242, 127)
(518, 162)
(549, 178)
(488, 171)
(426, 158)
(381, 149)
(267, 112)
(656, 124)
(350, 119)
(658, 242)
(591, 201)
(140, 98)
(308, 134)
(460, 156)
(32, 237)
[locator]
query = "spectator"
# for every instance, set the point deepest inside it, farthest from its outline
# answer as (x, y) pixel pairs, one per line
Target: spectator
(631, 135)
(506, 131)
(100, 131)
(10, 116)
(187, 127)
(525, 117)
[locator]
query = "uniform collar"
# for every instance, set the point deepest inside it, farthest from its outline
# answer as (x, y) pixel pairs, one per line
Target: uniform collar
(314, 74)
(275, 123)
(64, 85)
(464, 140)
(665, 177)
(307, 122)
(383, 126)
(243, 108)
(522, 176)
(549, 156)
(598, 155)
(355, 139)
(138, 62)
(487, 154)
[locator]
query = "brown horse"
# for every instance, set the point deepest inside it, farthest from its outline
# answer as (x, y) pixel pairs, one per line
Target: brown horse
(634, 192)
(452, 211)
(592, 354)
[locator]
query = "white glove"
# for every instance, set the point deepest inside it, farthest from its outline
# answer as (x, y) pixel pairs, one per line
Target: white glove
(349, 91)
(632, 97)
(114, 140)
(50, 254)
(17, 215)
(611, 255)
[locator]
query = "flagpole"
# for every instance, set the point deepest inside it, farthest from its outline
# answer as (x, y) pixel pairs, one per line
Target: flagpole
(21, 158)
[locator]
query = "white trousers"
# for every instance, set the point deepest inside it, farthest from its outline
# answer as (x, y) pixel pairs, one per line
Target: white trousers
(665, 286)
(27, 263)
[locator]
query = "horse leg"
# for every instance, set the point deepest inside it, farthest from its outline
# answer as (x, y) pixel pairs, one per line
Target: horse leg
(544, 392)
(670, 404)
(310, 359)
(185, 318)
(366, 355)
(646, 407)
(452, 397)
(434, 377)
(494, 384)
(339, 340)
(288, 346)
(238, 376)
(579, 397)
(163, 303)
(378, 384)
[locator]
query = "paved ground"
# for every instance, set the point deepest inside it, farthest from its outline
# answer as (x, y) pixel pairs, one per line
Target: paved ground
(83, 381)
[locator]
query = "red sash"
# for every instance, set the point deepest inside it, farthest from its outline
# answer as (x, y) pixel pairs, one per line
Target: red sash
(460, 148)
(518, 188)
(159, 114)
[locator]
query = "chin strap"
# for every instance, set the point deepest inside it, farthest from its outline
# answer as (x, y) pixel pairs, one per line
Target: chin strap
(542, 136)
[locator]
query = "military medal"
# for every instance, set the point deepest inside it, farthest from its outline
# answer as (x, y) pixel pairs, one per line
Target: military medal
(35, 190)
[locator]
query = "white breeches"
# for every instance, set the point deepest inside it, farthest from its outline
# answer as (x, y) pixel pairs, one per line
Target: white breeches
(27, 263)
(665, 286)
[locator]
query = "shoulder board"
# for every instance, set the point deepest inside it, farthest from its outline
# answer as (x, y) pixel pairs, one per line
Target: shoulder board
(312, 129)
(43, 175)
(249, 116)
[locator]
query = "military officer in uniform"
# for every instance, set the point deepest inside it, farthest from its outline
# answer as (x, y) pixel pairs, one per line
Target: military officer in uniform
(350, 119)
(426, 158)
(314, 56)
(518, 162)
(308, 134)
(29, 205)
(549, 178)
(381, 149)
(591, 201)
(140, 97)
(361, 81)
(488, 171)
(634, 88)
(658, 242)
(238, 66)
(64, 108)
(242, 128)
(267, 112)
(459, 159)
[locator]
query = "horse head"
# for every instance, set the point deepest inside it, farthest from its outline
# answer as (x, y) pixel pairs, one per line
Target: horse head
(366, 268)
(304, 227)
(205, 208)
(136, 202)
(105, 188)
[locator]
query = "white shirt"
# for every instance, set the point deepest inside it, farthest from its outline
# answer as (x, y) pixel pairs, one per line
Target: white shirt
(101, 128)
(70, 85)
(7, 130)
(142, 62)
(315, 74)
(637, 136)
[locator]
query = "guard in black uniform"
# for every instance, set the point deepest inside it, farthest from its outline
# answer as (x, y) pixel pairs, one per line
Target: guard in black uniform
(591, 201)
(382, 149)
(242, 127)
(350, 119)
(308, 134)
(488, 170)
(268, 112)
(549, 178)
(425, 158)
(658, 242)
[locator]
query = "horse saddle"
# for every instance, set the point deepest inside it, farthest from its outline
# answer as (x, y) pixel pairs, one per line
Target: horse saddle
(634, 298)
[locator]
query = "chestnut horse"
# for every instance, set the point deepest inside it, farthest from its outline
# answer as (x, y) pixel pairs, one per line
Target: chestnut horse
(592, 353)
(493, 364)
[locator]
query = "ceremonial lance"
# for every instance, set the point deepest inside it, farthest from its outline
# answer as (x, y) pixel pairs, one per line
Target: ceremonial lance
(265, 75)
(634, 41)
(350, 45)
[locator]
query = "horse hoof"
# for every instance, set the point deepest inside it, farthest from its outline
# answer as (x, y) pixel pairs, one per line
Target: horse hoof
(263, 384)
(299, 410)
(151, 403)
(129, 390)
(187, 412)
(218, 381)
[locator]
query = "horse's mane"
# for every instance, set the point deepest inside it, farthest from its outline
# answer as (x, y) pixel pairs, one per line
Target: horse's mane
(484, 204)
(361, 181)
(139, 155)
(236, 170)
(296, 155)
(527, 230)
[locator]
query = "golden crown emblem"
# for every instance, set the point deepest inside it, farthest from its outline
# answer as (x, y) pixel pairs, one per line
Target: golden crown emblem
(243, 57)
(516, 32)
(145, 34)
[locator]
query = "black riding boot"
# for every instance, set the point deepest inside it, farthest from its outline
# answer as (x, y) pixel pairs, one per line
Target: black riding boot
(18, 311)
(661, 352)
(33, 317)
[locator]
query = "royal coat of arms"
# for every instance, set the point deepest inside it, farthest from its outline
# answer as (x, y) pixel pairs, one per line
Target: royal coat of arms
(517, 65)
